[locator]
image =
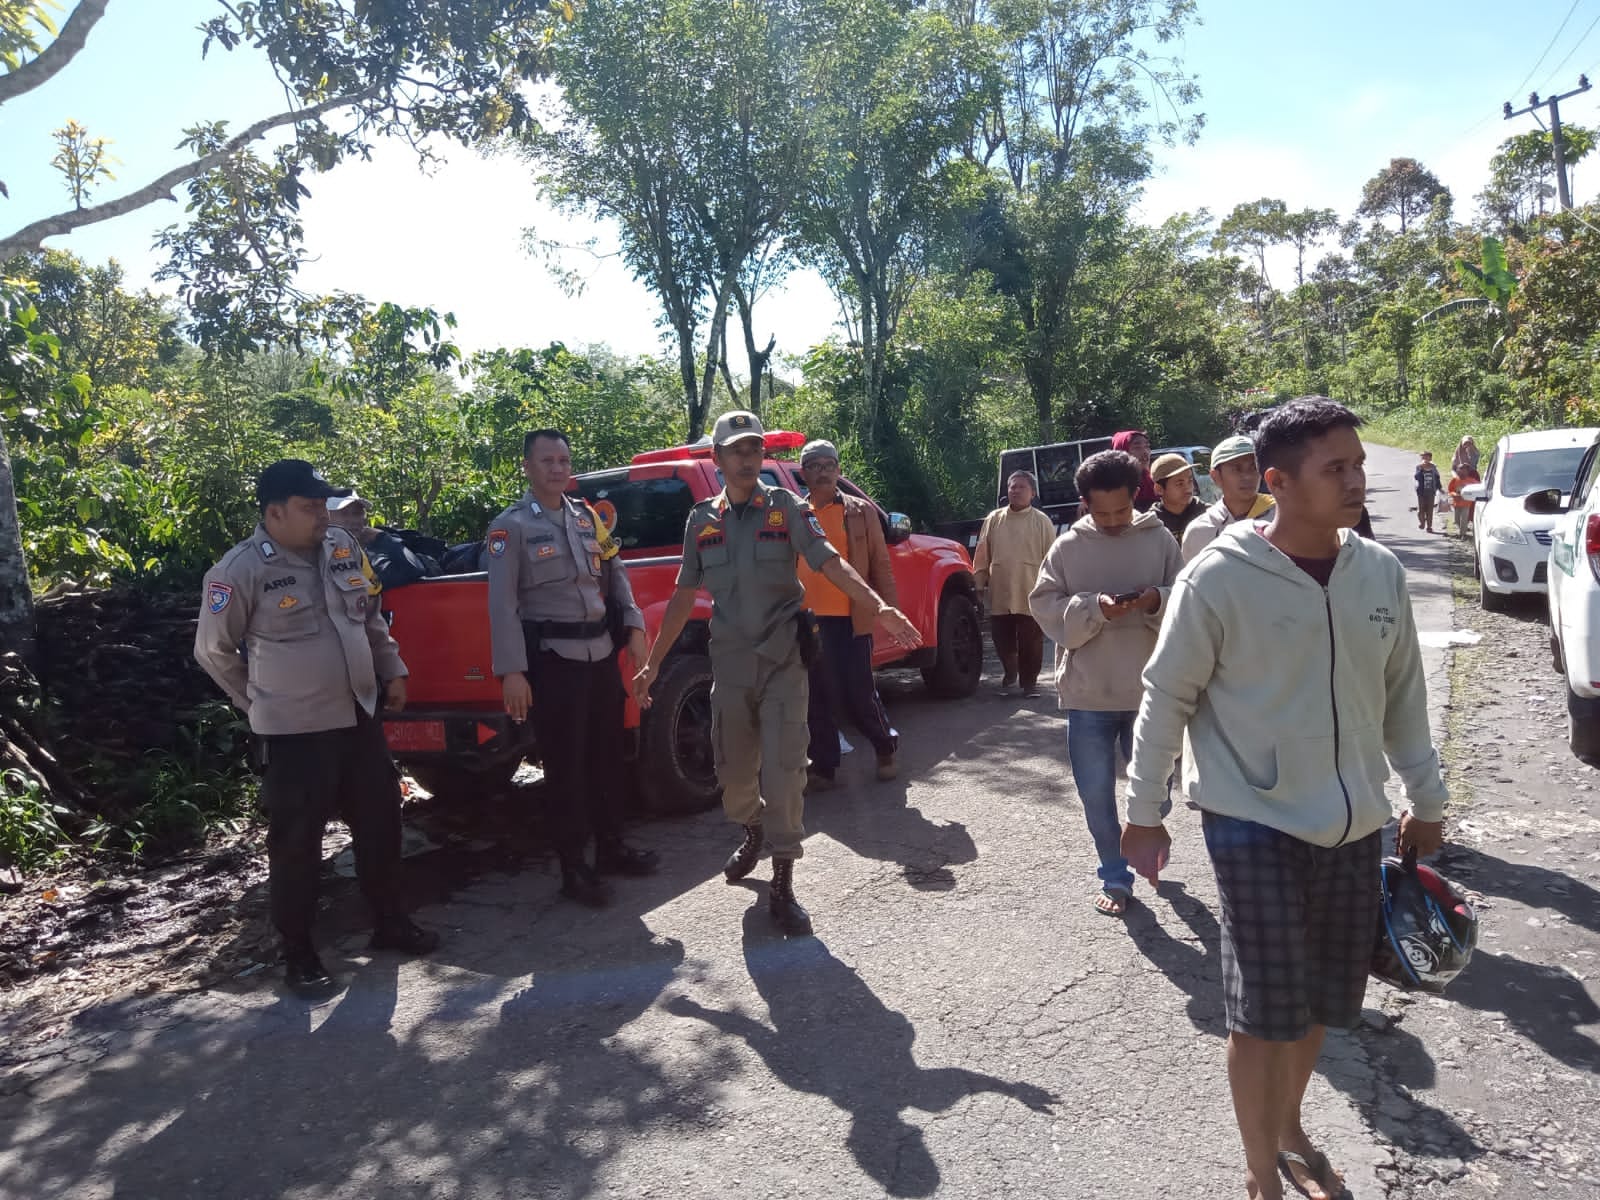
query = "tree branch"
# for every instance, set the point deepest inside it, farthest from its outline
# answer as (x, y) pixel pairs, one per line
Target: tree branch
(57, 54)
(30, 237)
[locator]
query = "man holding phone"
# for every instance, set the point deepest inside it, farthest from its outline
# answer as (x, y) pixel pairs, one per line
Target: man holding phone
(1100, 596)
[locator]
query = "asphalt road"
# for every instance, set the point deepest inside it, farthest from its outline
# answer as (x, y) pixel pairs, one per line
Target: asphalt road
(962, 1025)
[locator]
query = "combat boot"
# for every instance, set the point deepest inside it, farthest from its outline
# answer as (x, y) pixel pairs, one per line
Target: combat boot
(743, 860)
(304, 972)
(580, 883)
(785, 909)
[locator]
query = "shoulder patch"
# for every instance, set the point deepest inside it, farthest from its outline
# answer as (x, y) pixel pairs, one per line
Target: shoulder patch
(814, 525)
(218, 596)
(268, 550)
(497, 543)
(341, 552)
(606, 511)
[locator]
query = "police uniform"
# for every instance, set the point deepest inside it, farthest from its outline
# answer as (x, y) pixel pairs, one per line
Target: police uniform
(548, 571)
(298, 645)
(744, 555)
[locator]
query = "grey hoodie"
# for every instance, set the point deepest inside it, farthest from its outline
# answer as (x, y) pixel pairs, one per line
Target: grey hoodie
(1100, 661)
(1292, 694)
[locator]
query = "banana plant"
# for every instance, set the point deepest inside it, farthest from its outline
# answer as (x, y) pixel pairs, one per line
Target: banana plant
(1492, 284)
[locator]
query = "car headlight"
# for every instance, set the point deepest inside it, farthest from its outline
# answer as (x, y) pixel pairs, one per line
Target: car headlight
(1506, 533)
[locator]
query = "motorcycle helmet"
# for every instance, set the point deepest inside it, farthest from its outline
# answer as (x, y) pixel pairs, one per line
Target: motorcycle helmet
(1426, 929)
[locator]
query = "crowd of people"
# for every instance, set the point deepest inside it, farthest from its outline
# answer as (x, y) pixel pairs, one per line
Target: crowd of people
(1255, 655)
(1437, 499)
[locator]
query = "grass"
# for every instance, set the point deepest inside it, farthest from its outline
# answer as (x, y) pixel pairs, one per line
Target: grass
(1439, 429)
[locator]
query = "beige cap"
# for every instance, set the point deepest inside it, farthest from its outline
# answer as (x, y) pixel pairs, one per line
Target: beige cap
(1169, 465)
(735, 426)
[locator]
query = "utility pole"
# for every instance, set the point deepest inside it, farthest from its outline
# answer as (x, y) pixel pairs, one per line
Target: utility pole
(1553, 104)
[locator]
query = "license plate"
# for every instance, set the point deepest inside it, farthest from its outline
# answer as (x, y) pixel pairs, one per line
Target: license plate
(414, 735)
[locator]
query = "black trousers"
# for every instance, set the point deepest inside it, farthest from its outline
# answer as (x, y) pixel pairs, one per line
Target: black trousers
(577, 719)
(1019, 643)
(311, 777)
(842, 684)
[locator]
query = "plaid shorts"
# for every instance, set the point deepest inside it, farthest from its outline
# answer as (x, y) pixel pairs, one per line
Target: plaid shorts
(1297, 927)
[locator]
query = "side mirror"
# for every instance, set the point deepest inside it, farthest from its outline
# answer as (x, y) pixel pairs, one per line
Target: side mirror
(899, 528)
(1474, 492)
(1544, 504)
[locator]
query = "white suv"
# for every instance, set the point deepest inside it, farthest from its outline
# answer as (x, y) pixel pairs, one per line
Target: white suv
(1574, 571)
(1509, 542)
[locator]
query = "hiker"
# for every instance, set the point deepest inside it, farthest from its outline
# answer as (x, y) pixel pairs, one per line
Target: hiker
(1290, 657)
(1100, 596)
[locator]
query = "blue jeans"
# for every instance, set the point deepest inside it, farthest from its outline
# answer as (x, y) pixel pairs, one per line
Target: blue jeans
(1092, 742)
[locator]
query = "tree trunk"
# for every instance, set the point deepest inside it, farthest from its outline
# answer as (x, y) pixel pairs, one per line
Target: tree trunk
(719, 324)
(758, 358)
(16, 596)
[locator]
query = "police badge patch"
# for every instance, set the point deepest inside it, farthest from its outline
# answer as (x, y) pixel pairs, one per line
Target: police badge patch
(217, 597)
(814, 525)
(497, 543)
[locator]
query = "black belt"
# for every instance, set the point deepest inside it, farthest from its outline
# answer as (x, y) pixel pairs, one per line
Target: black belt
(565, 629)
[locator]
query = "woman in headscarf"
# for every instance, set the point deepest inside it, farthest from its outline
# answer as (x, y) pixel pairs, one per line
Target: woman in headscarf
(1137, 443)
(1466, 453)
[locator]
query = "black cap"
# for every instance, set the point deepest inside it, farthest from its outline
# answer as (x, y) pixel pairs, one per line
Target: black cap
(293, 477)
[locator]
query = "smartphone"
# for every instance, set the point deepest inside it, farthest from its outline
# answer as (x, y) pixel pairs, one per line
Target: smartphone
(1126, 597)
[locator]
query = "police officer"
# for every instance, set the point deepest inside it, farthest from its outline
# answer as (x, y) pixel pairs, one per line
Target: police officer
(742, 546)
(317, 662)
(554, 576)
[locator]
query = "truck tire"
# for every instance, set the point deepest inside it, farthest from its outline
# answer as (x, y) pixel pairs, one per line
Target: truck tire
(1583, 727)
(958, 663)
(458, 783)
(677, 766)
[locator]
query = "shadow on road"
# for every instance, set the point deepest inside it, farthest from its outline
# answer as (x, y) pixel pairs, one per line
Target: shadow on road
(1195, 968)
(831, 1036)
(386, 1086)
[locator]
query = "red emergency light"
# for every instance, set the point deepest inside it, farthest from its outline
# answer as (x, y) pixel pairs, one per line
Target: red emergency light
(774, 440)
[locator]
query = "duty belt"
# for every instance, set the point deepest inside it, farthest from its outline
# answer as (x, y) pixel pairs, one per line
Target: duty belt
(580, 630)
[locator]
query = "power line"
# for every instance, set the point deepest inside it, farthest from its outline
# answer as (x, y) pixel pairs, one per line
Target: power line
(1556, 70)
(1553, 39)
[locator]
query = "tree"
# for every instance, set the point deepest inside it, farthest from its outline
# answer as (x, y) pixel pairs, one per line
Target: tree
(1522, 174)
(1404, 189)
(351, 74)
(892, 104)
(684, 123)
(1078, 94)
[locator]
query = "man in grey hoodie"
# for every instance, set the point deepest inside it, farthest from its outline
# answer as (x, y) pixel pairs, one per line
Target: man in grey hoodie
(1290, 655)
(1099, 596)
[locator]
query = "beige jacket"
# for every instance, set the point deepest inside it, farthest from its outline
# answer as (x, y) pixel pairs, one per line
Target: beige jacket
(313, 645)
(1099, 661)
(1293, 695)
(1203, 529)
(1011, 545)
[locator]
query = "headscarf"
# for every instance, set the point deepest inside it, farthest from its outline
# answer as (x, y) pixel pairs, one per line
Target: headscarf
(1146, 495)
(1467, 453)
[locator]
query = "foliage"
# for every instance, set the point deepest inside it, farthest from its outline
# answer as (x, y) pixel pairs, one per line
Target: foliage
(31, 835)
(1405, 189)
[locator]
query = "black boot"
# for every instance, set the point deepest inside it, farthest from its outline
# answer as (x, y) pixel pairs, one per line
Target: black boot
(619, 858)
(785, 909)
(743, 860)
(403, 934)
(580, 883)
(304, 972)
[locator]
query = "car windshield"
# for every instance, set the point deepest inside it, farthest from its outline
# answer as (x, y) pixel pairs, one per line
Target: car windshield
(1536, 470)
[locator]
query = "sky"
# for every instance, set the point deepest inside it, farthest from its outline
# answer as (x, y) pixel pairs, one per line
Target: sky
(1303, 102)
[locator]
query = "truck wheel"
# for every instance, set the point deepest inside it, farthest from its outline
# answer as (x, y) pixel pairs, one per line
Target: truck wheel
(1583, 727)
(958, 663)
(677, 768)
(458, 783)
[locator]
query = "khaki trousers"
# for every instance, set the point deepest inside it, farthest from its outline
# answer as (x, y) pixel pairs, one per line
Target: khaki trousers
(759, 735)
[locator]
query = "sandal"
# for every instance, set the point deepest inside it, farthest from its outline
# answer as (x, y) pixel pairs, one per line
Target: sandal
(1112, 902)
(1316, 1166)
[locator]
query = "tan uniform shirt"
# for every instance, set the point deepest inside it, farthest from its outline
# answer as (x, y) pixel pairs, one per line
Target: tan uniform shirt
(313, 645)
(746, 560)
(545, 565)
(1011, 546)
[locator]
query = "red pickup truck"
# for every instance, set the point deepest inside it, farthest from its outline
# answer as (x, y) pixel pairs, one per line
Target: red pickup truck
(454, 735)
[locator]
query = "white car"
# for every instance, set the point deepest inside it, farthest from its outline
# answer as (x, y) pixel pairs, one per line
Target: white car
(1574, 569)
(1510, 544)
